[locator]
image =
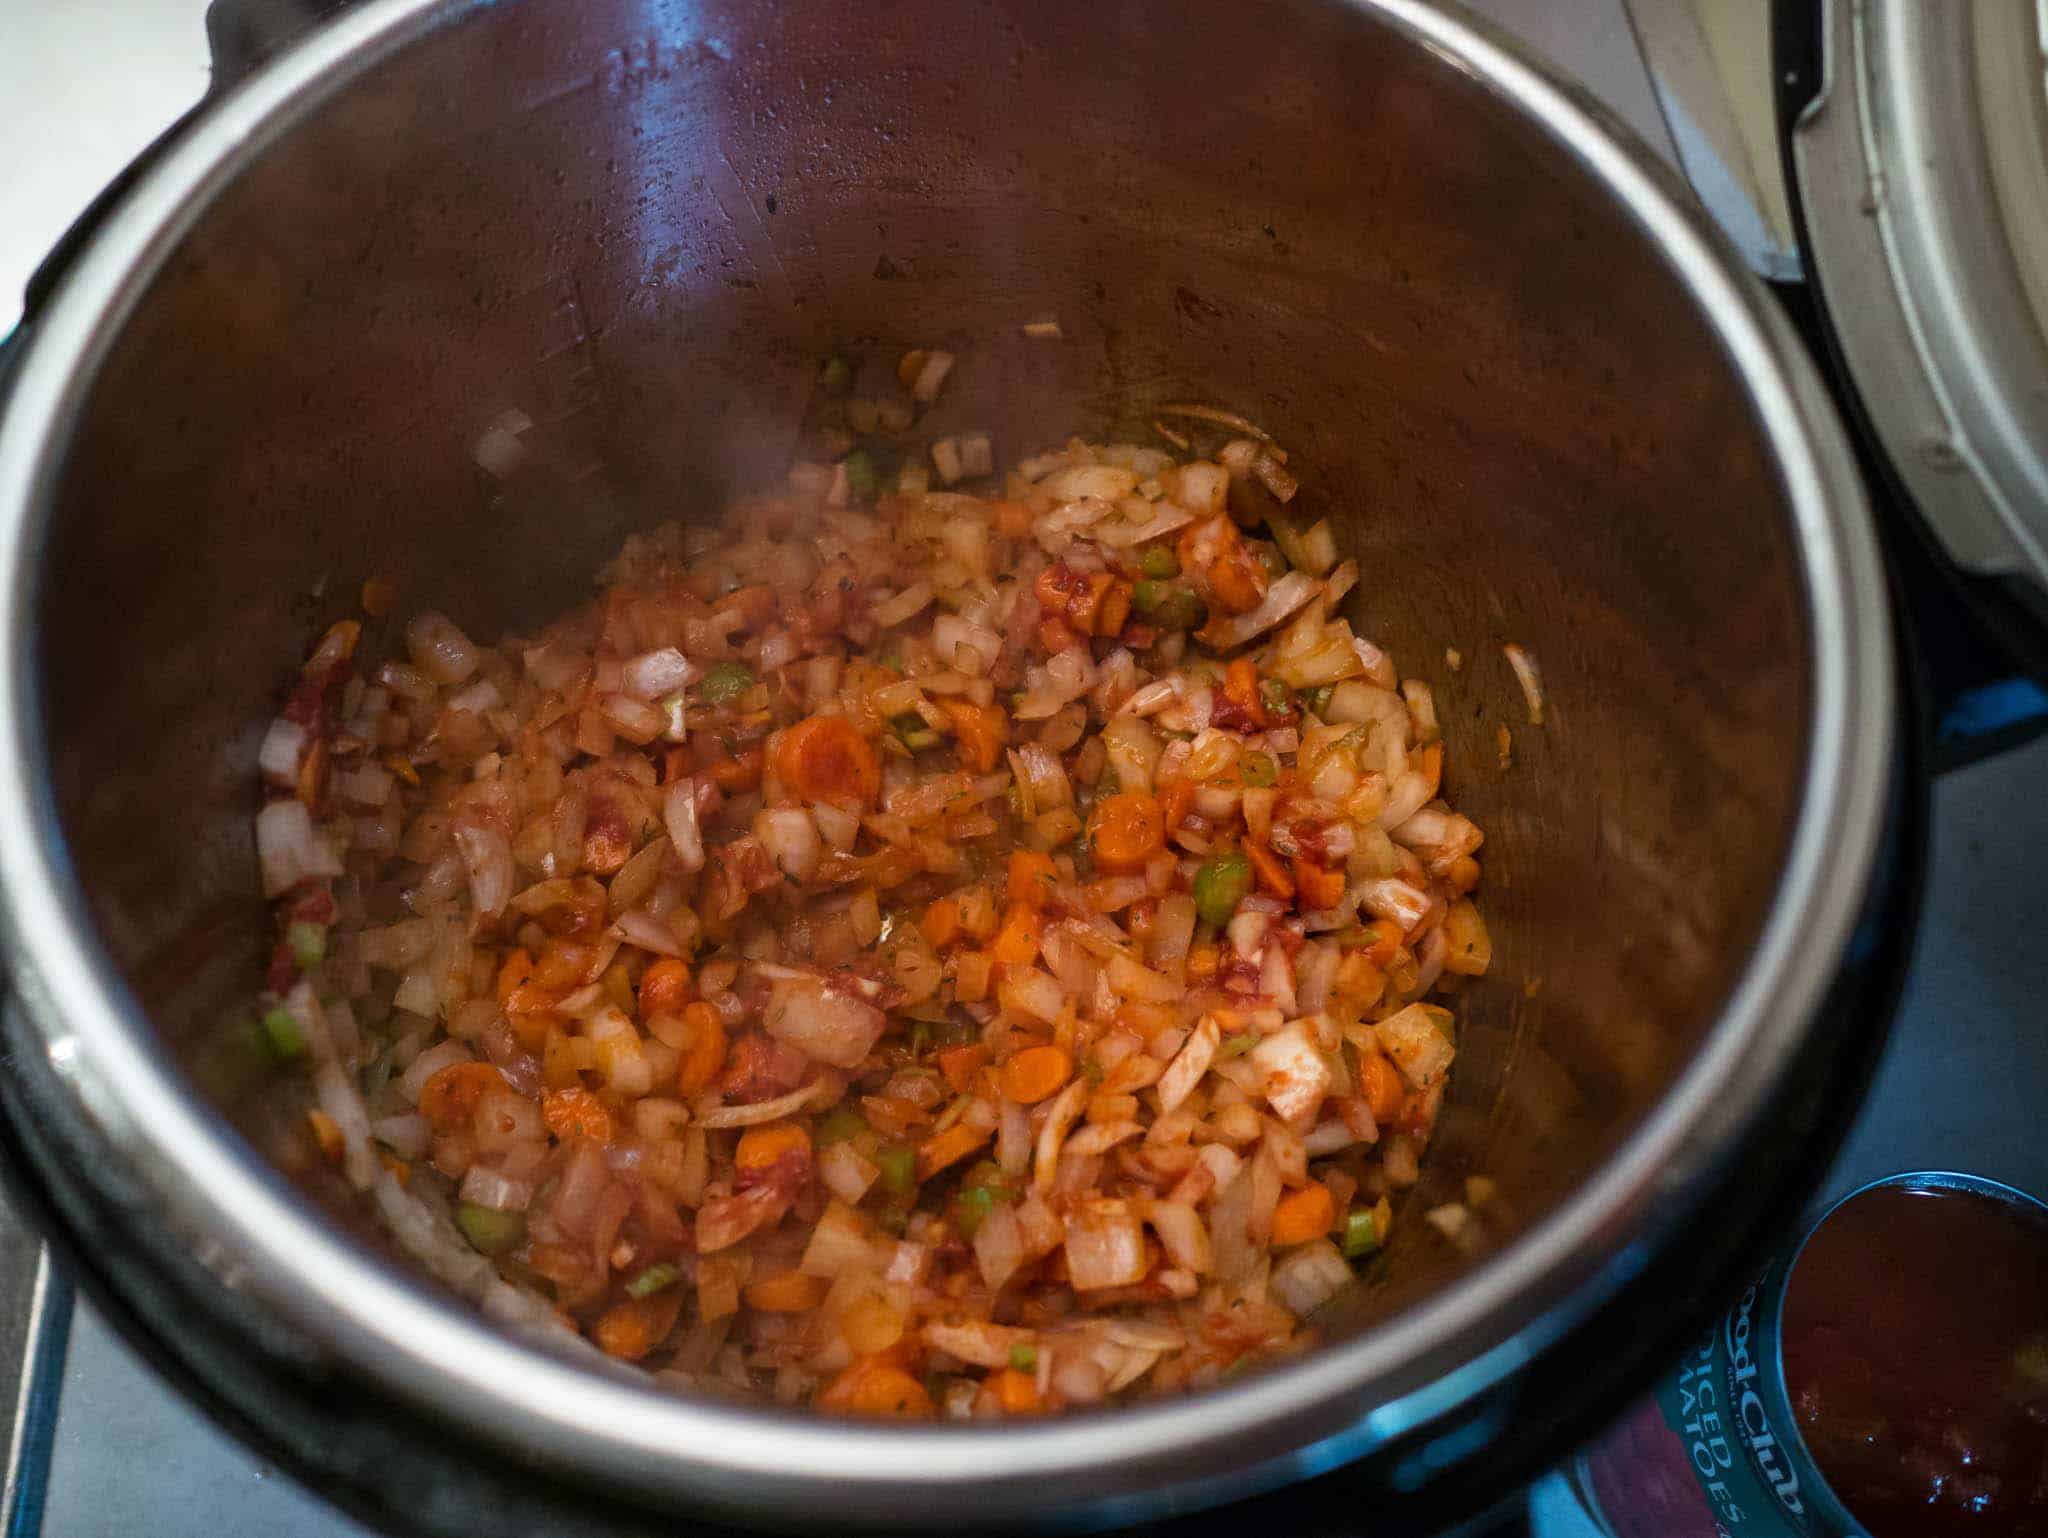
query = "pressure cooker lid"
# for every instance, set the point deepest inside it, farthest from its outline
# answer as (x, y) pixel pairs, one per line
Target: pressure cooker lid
(1922, 167)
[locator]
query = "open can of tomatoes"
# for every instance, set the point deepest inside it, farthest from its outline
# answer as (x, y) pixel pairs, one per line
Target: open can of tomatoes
(1888, 1375)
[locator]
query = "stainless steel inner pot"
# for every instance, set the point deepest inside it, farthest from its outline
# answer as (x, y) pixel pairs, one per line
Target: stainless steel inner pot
(1541, 402)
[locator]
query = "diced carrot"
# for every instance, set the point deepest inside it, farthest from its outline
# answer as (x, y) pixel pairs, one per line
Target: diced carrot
(1463, 875)
(756, 605)
(877, 1386)
(1380, 1082)
(400, 1170)
(1029, 1076)
(576, 1112)
(766, 1145)
(1115, 608)
(1016, 1392)
(312, 787)
(705, 1054)
(958, 1065)
(1126, 830)
(450, 1097)
(1203, 960)
(1233, 580)
(740, 772)
(1241, 688)
(631, 1329)
(1358, 982)
(1321, 886)
(558, 1059)
(1272, 874)
(949, 1147)
(793, 1292)
(941, 923)
(515, 974)
(327, 1134)
(1056, 636)
(825, 758)
(1433, 766)
(664, 988)
(1389, 937)
(980, 731)
(1177, 799)
(1013, 519)
(1304, 1215)
(1031, 877)
(1017, 943)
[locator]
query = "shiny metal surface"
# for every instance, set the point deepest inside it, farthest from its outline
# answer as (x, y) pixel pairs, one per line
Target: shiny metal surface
(1921, 165)
(1534, 389)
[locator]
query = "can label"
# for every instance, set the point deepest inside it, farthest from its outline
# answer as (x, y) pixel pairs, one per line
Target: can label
(1719, 1406)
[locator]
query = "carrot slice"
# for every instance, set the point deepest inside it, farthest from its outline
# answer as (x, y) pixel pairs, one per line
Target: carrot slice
(1304, 1215)
(1321, 887)
(980, 732)
(1031, 878)
(575, 1112)
(450, 1097)
(664, 988)
(825, 758)
(876, 1386)
(631, 1329)
(949, 1147)
(792, 1292)
(941, 923)
(959, 1065)
(1016, 1392)
(1380, 1082)
(1036, 1072)
(1126, 830)
(1017, 944)
(1272, 874)
(705, 1054)
(763, 1146)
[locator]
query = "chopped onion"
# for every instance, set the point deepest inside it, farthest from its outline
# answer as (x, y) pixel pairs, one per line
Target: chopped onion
(1105, 1245)
(284, 745)
(439, 649)
(975, 1340)
(999, 1248)
(1185, 1239)
(651, 675)
(823, 1022)
(1531, 680)
(487, 855)
(931, 377)
(846, 1172)
(791, 839)
(290, 849)
(338, 1097)
(839, 1243)
(1419, 1049)
(489, 1188)
(714, 1116)
(636, 926)
(891, 612)
(1283, 598)
(1308, 1277)
(836, 825)
(408, 1136)
(679, 811)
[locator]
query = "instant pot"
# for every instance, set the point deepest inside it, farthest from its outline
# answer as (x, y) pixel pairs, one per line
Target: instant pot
(1535, 390)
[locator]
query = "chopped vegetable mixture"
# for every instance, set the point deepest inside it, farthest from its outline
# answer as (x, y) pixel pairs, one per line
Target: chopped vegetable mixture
(920, 954)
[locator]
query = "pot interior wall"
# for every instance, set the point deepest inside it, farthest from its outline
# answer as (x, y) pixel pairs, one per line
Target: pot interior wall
(643, 223)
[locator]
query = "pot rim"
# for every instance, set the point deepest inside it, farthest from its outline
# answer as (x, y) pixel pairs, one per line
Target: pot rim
(443, 1357)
